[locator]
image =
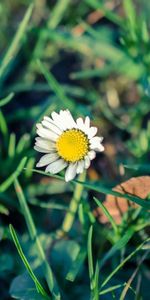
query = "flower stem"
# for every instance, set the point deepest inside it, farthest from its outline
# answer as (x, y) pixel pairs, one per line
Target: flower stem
(70, 215)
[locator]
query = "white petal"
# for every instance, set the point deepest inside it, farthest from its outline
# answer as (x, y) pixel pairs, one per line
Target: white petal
(91, 154)
(87, 122)
(96, 139)
(39, 149)
(45, 144)
(98, 147)
(58, 120)
(91, 132)
(52, 127)
(71, 171)
(56, 166)
(80, 166)
(87, 162)
(95, 143)
(65, 120)
(80, 124)
(45, 149)
(47, 159)
(46, 133)
(70, 122)
(54, 115)
(50, 120)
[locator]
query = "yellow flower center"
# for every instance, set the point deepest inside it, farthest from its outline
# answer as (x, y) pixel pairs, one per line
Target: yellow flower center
(72, 145)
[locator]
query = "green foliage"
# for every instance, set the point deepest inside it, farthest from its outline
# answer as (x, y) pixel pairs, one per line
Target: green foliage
(101, 188)
(4, 186)
(6, 99)
(94, 275)
(39, 287)
(33, 234)
(91, 57)
(23, 288)
(14, 47)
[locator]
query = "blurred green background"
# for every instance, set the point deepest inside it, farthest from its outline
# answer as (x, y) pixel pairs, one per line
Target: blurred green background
(91, 57)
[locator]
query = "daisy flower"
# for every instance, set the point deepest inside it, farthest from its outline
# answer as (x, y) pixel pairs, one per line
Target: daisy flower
(66, 143)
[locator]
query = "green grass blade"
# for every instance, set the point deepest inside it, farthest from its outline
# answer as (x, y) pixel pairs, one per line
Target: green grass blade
(128, 284)
(138, 167)
(124, 262)
(3, 124)
(75, 268)
(6, 100)
(91, 73)
(3, 210)
(83, 45)
(131, 17)
(81, 214)
(38, 285)
(5, 185)
(33, 234)
(118, 245)
(46, 205)
(55, 18)
(96, 283)
(98, 5)
(30, 165)
(58, 13)
(90, 259)
(103, 189)
(12, 144)
(145, 31)
(94, 275)
(134, 73)
(107, 214)
(25, 210)
(14, 46)
(23, 143)
(113, 288)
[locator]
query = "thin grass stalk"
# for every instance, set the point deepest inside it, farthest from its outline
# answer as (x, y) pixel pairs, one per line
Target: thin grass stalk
(33, 234)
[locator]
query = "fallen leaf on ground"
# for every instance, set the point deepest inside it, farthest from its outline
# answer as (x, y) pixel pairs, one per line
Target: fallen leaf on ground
(117, 206)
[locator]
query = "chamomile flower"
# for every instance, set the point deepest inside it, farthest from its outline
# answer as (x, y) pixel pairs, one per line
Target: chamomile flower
(66, 143)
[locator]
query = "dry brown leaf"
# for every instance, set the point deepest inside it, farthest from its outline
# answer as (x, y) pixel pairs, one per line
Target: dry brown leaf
(117, 206)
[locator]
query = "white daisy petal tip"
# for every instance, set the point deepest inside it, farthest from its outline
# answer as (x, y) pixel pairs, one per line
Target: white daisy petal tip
(56, 166)
(92, 154)
(80, 167)
(101, 148)
(38, 165)
(38, 125)
(66, 143)
(71, 172)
